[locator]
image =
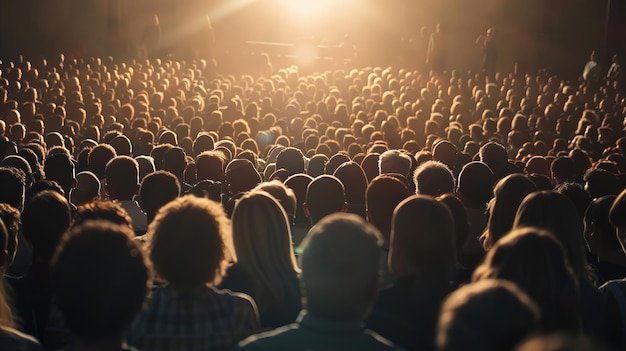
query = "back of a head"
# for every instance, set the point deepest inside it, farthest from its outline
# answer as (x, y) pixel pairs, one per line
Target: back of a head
(475, 187)
(394, 161)
(354, 181)
(617, 217)
(291, 159)
(433, 178)
(508, 194)
(494, 155)
(262, 240)
(98, 158)
(102, 210)
(175, 161)
(122, 178)
(156, 190)
(383, 194)
(563, 170)
(555, 213)
(340, 267)
(324, 195)
(599, 182)
(422, 237)
(44, 220)
(534, 259)
(186, 242)
(489, 315)
(122, 145)
(60, 168)
(12, 187)
(92, 263)
(241, 175)
(210, 165)
(599, 232)
(283, 194)
(446, 153)
(87, 188)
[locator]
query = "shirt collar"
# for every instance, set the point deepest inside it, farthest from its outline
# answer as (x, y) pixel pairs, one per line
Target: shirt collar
(309, 321)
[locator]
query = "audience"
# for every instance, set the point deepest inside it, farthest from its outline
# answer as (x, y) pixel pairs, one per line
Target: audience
(339, 280)
(345, 139)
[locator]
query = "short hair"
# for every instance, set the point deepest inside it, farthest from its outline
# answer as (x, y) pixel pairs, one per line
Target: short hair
(12, 187)
(290, 159)
(284, 195)
(98, 158)
(187, 242)
(325, 195)
(241, 175)
(157, 189)
(93, 261)
(103, 210)
(599, 182)
(87, 188)
(382, 196)
(340, 262)
(44, 220)
(210, 165)
(489, 315)
(60, 168)
(122, 176)
(433, 178)
(394, 161)
(11, 218)
(422, 236)
(475, 186)
(494, 155)
(174, 160)
(122, 145)
(617, 213)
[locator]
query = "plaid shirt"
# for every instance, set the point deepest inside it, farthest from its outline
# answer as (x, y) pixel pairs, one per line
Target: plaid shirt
(202, 319)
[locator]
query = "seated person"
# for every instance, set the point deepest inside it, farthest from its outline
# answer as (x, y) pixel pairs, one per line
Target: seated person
(99, 266)
(339, 279)
(187, 248)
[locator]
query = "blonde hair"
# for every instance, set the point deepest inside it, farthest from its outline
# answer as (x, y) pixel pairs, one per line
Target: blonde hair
(263, 245)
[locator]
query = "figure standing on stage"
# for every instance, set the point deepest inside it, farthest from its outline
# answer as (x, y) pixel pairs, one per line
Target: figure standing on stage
(152, 37)
(490, 51)
(436, 54)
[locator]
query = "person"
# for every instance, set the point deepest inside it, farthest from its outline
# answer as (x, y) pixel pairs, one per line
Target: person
(10, 337)
(591, 71)
(508, 193)
(535, 260)
(422, 257)
(339, 279)
(475, 190)
(266, 267)
(98, 265)
(157, 189)
(187, 246)
(44, 221)
(433, 178)
(615, 70)
(436, 53)
(87, 189)
(488, 315)
(152, 37)
(122, 184)
(488, 44)
(325, 195)
(603, 243)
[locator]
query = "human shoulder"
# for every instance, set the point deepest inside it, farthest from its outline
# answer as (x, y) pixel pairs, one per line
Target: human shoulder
(11, 339)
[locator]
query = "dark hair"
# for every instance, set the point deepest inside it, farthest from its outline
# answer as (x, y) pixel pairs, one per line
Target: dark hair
(324, 195)
(100, 279)
(103, 210)
(186, 242)
(44, 220)
(157, 189)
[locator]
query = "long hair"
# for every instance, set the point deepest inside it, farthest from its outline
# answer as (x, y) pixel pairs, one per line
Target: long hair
(534, 259)
(263, 246)
(508, 194)
(554, 212)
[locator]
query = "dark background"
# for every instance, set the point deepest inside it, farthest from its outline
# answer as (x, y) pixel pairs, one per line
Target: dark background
(537, 33)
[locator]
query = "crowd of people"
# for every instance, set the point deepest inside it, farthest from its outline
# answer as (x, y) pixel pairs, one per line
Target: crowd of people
(159, 205)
